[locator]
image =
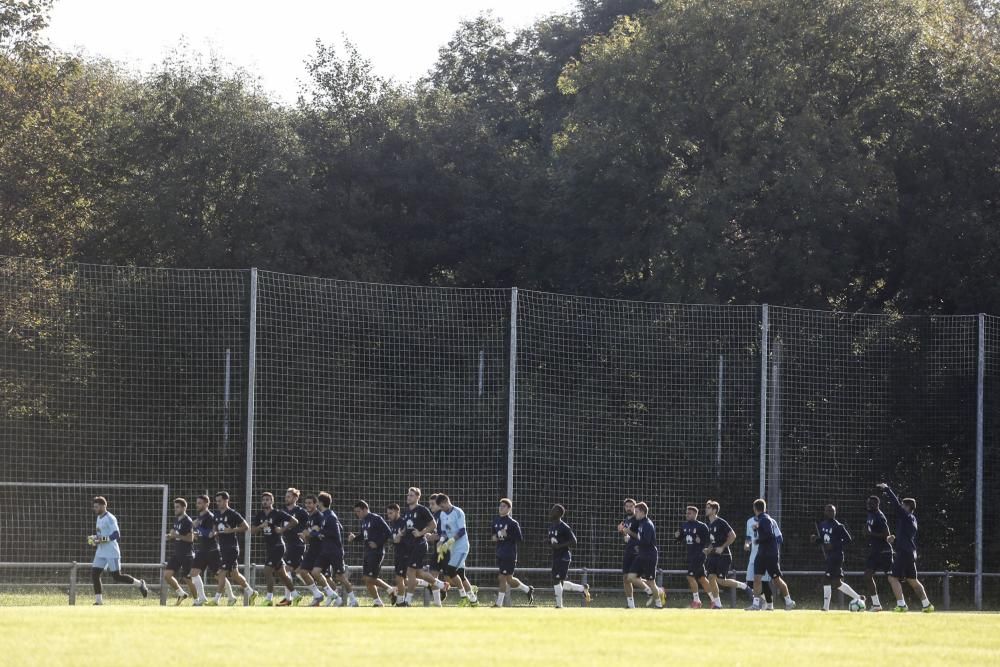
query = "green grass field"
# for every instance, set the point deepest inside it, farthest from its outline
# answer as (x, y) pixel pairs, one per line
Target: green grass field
(143, 635)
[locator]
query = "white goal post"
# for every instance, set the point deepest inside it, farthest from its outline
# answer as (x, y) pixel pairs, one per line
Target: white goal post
(44, 527)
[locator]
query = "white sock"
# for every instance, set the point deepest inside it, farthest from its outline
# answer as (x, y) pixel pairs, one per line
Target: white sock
(462, 593)
(630, 602)
(329, 591)
(98, 597)
(649, 591)
(500, 597)
(436, 596)
(314, 589)
(847, 590)
(900, 603)
(875, 602)
(925, 603)
(269, 597)
(788, 599)
(199, 587)
(421, 583)
(137, 583)
(218, 596)
(827, 594)
(524, 588)
(572, 588)
(758, 601)
(696, 597)
(741, 586)
(354, 598)
(408, 598)
(558, 589)
(438, 584)
(229, 589)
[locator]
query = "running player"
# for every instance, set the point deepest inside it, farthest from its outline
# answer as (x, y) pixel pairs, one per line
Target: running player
(272, 523)
(507, 535)
(182, 536)
(375, 532)
(695, 537)
(295, 546)
(631, 548)
(108, 555)
(331, 554)
(229, 525)
(833, 535)
(880, 554)
(418, 522)
(453, 549)
(768, 559)
(904, 566)
(562, 539)
(647, 554)
(206, 558)
(750, 545)
(307, 567)
(720, 559)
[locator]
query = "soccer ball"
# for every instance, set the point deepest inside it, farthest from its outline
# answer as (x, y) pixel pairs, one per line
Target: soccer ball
(857, 605)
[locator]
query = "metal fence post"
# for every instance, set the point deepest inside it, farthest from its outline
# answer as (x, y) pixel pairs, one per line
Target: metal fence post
(72, 583)
(251, 383)
(764, 340)
(946, 591)
(512, 392)
(980, 463)
(163, 546)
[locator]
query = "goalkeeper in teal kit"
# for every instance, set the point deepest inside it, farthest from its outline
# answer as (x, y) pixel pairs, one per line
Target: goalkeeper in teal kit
(108, 555)
(454, 545)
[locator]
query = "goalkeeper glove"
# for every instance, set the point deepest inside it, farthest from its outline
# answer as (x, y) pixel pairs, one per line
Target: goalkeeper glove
(92, 540)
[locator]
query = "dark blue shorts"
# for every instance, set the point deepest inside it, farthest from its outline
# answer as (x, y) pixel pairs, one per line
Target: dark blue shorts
(627, 559)
(274, 557)
(506, 564)
(719, 565)
(399, 562)
(834, 566)
(206, 561)
(560, 569)
(181, 565)
(879, 561)
(416, 554)
(230, 559)
(294, 553)
(309, 558)
(696, 566)
(644, 566)
(904, 566)
(769, 564)
(371, 566)
(332, 560)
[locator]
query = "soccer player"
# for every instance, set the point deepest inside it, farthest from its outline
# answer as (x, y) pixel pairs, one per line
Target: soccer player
(435, 539)
(394, 518)
(833, 535)
(229, 525)
(272, 523)
(880, 554)
(181, 558)
(453, 550)
(750, 545)
(295, 546)
(418, 522)
(631, 548)
(720, 559)
(694, 535)
(562, 539)
(904, 566)
(330, 534)
(768, 561)
(507, 534)
(313, 523)
(206, 557)
(108, 555)
(647, 554)
(375, 532)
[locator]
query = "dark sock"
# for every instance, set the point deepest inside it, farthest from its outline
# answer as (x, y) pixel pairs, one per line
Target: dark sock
(95, 577)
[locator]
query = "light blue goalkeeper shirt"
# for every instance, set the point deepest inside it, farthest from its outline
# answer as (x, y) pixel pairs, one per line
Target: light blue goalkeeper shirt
(453, 525)
(107, 526)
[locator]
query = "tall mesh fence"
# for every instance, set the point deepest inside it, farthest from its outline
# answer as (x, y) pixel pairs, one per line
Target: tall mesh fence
(620, 399)
(126, 375)
(365, 390)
